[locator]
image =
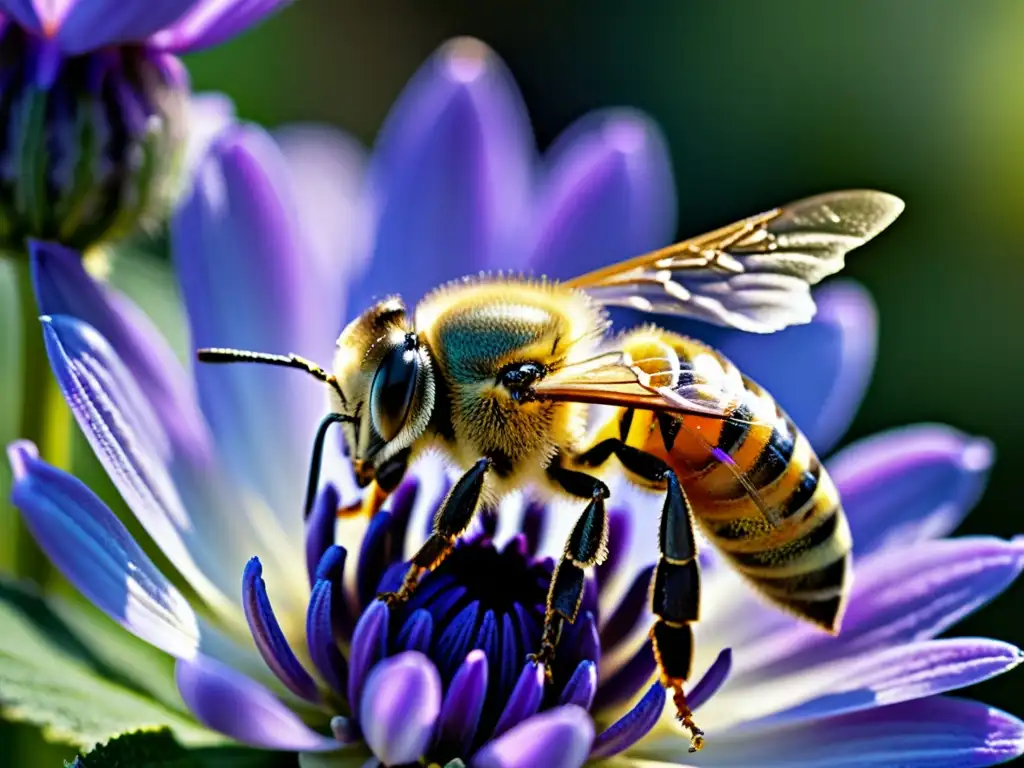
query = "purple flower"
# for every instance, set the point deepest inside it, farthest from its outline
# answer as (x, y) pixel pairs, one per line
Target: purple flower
(93, 96)
(303, 658)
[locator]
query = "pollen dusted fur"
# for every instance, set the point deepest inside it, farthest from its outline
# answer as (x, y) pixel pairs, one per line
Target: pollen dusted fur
(476, 330)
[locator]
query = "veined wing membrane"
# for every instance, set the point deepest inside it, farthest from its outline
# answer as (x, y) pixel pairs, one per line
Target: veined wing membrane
(613, 379)
(755, 274)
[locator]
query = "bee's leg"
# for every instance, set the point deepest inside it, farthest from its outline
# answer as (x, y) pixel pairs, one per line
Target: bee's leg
(450, 520)
(675, 601)
(587, 545)
(675, 598)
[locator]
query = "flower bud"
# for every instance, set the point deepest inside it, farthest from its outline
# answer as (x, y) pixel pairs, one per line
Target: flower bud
(91, 144)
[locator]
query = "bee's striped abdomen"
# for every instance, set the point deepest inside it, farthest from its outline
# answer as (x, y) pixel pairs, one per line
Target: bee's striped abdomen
(755, 484)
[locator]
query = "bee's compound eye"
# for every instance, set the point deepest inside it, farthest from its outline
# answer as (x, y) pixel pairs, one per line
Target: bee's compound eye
(393, 389)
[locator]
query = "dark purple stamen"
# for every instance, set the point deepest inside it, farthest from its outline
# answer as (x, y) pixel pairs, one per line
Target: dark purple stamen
(462, 707)
(417, 632)
(320, 528)
(375, 554)
(455, 640)
(525, 699)
(369, 645)
(632, 726)
(269, 639)
(582, 686)
(713, 679)
(533, 525)
(477, 617)
(323, 647)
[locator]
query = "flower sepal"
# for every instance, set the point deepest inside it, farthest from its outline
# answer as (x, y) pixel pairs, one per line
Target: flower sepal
(93, 143)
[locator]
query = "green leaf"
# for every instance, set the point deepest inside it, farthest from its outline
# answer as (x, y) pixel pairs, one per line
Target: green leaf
(140, 749)
(159, 749)
(49, 678)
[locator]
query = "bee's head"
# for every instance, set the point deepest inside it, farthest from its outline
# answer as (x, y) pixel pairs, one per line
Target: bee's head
(388, 381)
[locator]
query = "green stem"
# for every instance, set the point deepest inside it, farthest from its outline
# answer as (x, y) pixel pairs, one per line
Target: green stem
(45, 419)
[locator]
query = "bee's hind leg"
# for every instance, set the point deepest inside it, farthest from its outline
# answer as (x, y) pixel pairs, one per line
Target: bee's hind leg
(675, 598)
(450, 521)
(587, 546)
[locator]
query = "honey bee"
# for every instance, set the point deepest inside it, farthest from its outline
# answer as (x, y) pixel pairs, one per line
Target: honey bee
(498, 373)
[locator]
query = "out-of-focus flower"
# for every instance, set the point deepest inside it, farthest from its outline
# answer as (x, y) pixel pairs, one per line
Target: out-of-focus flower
(454, 186)
(92, 98)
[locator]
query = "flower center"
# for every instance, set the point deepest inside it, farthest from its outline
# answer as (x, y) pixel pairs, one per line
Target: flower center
(490, 599)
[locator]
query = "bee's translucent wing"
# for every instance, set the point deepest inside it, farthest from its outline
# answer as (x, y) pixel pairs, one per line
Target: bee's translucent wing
(755, 274)
(658, 384)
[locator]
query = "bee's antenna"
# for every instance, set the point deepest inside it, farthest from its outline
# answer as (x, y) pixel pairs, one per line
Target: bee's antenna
(313, 482)
(221, 355)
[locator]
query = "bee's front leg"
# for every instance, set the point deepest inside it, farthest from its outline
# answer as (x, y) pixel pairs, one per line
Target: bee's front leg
(587, 546)
(450, 521)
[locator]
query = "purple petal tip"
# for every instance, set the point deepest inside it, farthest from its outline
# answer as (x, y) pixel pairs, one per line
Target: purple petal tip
(399, 707)
(19, 454)
(465, 59)
(558, 738)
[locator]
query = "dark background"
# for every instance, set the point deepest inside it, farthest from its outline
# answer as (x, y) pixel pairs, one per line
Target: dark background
(761, 103)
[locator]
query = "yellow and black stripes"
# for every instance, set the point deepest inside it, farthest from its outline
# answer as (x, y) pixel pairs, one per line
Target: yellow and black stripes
(755, 484)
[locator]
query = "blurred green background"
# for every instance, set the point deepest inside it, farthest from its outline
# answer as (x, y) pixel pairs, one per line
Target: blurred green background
(761, 103)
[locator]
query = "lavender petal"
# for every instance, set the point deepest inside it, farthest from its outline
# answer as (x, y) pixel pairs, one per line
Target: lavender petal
(900, 597)
(329, 170)
(558, 738)
(95, 552)
(132, 447)
(98, 23)
(608, 195)
(228, 701)
(399, 708)
(893, 675)
(209, 114)
(269, 639)
(236, 242)
(212, 22)
(909, 484)
(927, 733)
(450, 172)
(63, 287)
